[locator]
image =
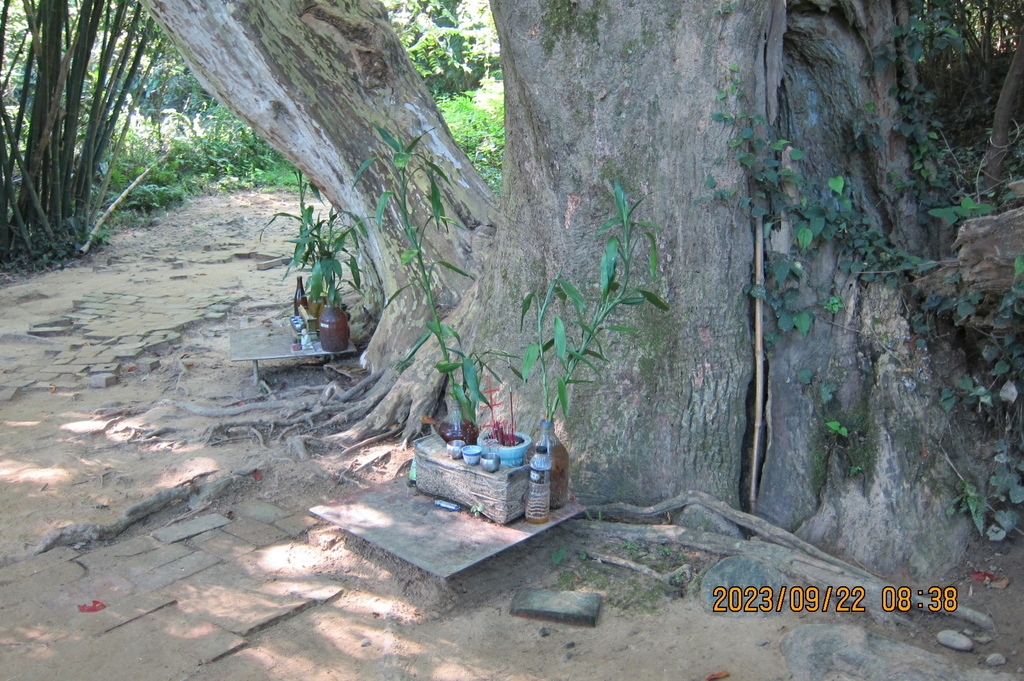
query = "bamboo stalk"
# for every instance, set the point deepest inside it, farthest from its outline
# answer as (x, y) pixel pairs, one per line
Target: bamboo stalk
(117, 202)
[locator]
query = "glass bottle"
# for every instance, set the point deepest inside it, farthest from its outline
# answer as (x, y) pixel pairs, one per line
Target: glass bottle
(456, 427)
(538, 495)
(300, 296)
(559, 463)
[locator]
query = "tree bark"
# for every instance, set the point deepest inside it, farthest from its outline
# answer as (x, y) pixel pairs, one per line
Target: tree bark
(606, 90)
(1002, 119)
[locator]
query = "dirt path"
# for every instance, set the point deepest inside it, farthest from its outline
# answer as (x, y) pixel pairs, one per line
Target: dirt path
(90, 427)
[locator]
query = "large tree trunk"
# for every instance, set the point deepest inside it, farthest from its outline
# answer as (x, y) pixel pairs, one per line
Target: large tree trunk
(597, 92)
(313, 78)
(605, 90)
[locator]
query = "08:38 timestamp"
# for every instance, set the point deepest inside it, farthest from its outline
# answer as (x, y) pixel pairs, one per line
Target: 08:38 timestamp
(932, 599)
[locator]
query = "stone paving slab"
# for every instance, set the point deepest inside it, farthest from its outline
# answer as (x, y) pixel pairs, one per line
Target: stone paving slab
(190, 528)
(255, 532)
(175, 570)
(166, 645)
(152, 560)
(48, 580)
(36, 564)
(318, 589)
(232, 601)
(298, 524)
(222, 545)
(54, 617)
(114, 556)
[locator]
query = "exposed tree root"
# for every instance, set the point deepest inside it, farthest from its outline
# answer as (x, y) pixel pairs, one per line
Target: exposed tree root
(242, 408)
(403, 399)
(780, 548)
(198, 495)
(368, 441)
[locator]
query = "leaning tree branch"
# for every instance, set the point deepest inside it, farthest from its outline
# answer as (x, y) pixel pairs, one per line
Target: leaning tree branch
(783, 549)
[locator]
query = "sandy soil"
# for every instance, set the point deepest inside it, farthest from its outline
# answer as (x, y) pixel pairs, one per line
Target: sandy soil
(72, 453)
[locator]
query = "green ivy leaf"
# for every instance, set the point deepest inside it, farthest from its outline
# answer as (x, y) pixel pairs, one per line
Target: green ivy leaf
(796, 154)
(802, 322)
(837, 184)
(805, 375)
(804, 238)
(1018, 265)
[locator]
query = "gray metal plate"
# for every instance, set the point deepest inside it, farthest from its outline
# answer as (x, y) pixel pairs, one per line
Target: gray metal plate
(406, 523)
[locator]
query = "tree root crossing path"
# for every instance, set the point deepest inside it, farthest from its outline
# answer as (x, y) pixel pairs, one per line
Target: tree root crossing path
(155, 502)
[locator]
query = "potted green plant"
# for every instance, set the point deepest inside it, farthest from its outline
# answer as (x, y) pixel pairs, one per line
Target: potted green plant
(592, 319)
(326, 248)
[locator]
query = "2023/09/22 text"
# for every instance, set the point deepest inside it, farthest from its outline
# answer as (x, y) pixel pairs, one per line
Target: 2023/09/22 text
(834, 598)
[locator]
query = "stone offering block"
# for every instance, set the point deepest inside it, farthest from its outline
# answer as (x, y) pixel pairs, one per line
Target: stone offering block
(502, 494)
(566, 607)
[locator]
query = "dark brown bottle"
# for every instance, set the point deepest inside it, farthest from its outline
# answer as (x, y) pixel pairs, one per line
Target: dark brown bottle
(334, 331)
(454, 427)
(300, 296)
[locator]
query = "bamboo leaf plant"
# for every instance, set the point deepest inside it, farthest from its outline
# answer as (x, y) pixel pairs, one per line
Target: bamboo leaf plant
(462, 368)
(582, 345)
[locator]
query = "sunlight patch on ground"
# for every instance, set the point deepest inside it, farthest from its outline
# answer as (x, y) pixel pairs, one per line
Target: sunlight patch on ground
(21, 424)
(188, 470)
(17, 472)
(84, 427)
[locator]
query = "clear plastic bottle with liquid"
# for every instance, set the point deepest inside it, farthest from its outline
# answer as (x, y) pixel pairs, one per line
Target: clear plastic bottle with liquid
(538, 495)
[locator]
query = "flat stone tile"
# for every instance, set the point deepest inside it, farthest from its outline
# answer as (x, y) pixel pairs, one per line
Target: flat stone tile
(255, 532)
(222, 545)
(176, 570)
(166, 645)
(50, 579)
(190, 528)
(58, 611)
(147, 562)
(261, 511)
(295, 525)
(112, 557)
(230, 600)
(36, 564)
(317, 589)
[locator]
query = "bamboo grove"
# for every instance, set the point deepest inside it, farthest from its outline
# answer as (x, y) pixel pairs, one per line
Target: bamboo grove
(68, 72)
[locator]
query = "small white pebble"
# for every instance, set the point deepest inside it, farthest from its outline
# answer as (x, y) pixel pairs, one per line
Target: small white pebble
(995, 660)
(955, 640)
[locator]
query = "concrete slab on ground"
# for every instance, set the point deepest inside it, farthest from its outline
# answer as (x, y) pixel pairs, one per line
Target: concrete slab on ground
(565, 607)
(406, 523)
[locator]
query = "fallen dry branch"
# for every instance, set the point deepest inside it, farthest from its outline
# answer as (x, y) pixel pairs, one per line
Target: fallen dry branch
(198, 495)
(642, 569)
(795, 562)
(757, 525)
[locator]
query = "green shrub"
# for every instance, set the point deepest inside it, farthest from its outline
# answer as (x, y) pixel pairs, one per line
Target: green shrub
(477, 122)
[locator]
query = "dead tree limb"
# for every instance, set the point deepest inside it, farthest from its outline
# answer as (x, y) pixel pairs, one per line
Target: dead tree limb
(798, 564)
